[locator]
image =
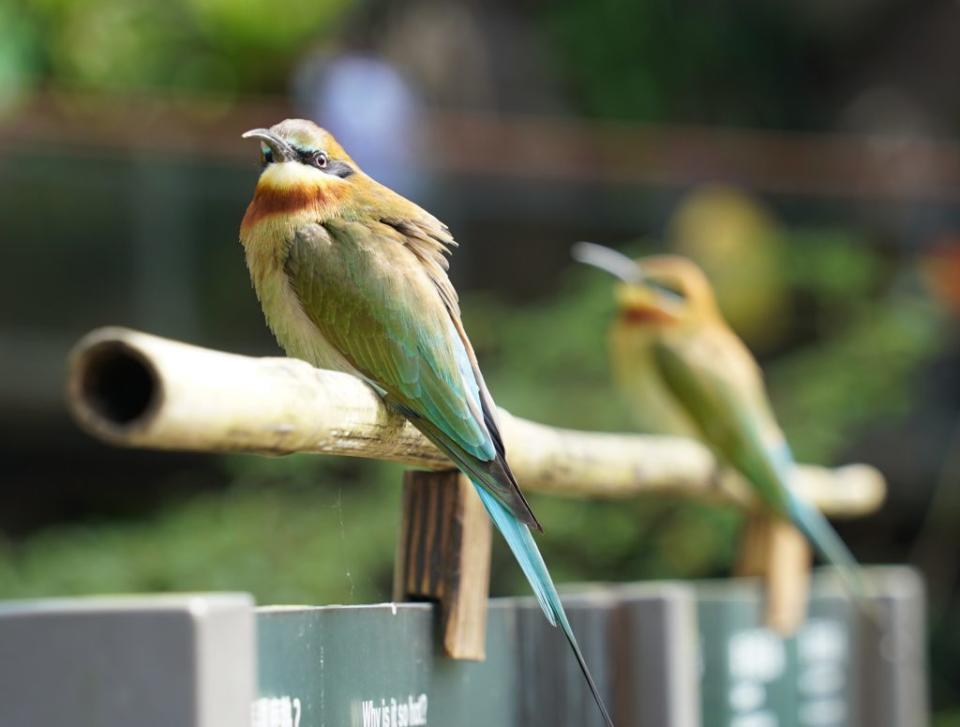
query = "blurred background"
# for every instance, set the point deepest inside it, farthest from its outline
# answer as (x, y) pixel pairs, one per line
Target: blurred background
(804, 152)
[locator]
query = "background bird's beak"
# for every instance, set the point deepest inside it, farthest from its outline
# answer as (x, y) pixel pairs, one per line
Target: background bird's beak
(282, 151)
(639, 290)
(608, 260)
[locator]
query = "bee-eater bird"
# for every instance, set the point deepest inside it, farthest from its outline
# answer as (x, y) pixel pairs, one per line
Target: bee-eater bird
(684, 371)
(353, 277)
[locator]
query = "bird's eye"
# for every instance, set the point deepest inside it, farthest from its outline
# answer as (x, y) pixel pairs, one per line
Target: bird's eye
(320, 160)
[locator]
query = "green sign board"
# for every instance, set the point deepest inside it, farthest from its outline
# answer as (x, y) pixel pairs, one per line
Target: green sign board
(663, 655)
(379, 666)
(753, 677)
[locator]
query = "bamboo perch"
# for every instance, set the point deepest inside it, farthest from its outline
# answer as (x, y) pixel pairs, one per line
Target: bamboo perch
(137, 390)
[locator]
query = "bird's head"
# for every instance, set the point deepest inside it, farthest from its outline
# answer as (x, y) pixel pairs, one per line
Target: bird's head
(304, 169)
(653, 291)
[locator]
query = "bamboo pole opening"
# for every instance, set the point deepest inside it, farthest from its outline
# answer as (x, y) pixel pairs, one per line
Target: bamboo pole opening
(119, 386)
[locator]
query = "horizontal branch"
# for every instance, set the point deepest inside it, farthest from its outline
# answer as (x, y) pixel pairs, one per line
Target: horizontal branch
(137, 390)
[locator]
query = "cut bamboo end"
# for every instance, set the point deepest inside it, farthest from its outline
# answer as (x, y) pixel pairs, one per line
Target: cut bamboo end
(119, 387)
(133, 389)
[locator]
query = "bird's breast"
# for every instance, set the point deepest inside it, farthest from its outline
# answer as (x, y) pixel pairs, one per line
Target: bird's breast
(265, 247)
(294, 330)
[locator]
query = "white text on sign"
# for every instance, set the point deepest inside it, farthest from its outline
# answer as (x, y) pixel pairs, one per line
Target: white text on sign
(411, 712)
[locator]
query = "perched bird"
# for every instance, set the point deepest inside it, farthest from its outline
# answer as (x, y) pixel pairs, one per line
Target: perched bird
(684, 371)
(353, 277)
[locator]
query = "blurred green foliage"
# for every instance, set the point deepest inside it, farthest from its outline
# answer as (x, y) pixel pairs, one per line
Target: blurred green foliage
(949, 718)
(322, 530)
(286, 531)
(221, 46)
(18, 52)
(871, 327)
(662, 60)
(654, 61)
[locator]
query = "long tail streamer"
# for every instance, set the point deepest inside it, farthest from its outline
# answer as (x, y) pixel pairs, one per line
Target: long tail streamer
(831, 548)
(525, 550)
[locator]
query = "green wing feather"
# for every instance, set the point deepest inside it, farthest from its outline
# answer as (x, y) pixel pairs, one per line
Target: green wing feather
(391, 312)
(717, 381)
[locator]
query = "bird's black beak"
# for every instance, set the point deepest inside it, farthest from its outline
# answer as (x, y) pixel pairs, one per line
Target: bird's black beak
(280, 150)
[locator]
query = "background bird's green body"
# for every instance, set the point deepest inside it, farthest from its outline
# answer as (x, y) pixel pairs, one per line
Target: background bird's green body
(713, 377)
(633, 360)
(684, 371)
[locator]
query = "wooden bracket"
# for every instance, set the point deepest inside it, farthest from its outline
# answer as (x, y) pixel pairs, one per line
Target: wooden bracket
(443, 554)
(773, 549)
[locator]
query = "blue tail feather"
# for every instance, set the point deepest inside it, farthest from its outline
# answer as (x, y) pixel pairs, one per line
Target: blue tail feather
(828, 544)
(525, 550)
(818, 530)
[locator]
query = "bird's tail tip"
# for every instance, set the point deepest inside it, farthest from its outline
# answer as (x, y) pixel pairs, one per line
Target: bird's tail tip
(826, 541)
(525, 550)
(564, 625)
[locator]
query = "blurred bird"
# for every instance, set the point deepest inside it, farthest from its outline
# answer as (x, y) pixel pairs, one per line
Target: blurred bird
(685, 372)
(352, 277)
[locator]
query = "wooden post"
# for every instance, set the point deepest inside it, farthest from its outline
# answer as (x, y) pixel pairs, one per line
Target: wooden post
(779, 554)
(443, 554)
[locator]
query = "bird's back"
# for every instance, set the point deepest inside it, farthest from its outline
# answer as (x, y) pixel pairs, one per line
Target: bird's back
(715, 379)
(653, 408)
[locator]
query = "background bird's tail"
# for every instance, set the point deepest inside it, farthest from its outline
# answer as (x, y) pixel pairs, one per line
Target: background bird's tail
(525, 550)
(831, 548)
(812, 523)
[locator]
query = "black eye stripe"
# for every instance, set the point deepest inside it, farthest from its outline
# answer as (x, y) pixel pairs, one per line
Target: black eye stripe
(320, 160)
(316, 159)
(339, 169)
